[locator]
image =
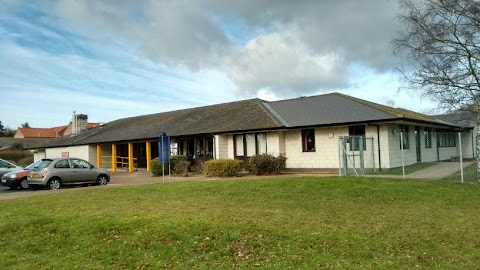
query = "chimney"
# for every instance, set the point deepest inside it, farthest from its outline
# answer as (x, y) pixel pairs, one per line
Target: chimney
(81, 123)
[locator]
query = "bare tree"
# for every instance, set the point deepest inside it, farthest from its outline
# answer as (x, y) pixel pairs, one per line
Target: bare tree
(441, 51)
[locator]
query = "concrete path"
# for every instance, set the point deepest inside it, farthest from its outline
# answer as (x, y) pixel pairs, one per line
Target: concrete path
(438, 171)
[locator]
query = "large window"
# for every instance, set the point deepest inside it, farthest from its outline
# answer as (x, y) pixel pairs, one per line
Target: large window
(406, 137)
(250, 144)
(356, 134)
(427, 133)
(446, 139)
(308, 140)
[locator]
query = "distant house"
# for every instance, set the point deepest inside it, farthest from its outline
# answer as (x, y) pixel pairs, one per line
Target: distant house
(314, 133)
(79, 121)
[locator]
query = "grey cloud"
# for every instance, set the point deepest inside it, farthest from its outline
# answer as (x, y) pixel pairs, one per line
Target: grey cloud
(320, 39)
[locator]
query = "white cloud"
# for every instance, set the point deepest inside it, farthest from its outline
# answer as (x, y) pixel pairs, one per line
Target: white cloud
(283, 63)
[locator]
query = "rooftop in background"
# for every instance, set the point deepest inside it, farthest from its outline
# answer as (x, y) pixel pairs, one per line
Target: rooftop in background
(464, 118)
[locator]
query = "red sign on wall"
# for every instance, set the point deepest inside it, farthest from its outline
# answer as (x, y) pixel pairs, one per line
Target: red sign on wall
(65, 154)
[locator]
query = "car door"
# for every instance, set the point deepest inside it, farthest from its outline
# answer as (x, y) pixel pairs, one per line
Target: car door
(62, 169)
(82, 171)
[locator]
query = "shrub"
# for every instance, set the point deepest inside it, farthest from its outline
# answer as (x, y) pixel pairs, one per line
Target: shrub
(223, 167)
(157, 168)
(181, 168)
(15, 155)
(25, 161)
(175, 159)
(266, 164)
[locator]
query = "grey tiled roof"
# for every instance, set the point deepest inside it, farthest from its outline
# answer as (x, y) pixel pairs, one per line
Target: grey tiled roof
(465, 119)
(237, 116)
(335, 108)
(244, 116)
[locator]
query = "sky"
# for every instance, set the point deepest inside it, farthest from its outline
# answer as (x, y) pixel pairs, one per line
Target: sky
(116, 59)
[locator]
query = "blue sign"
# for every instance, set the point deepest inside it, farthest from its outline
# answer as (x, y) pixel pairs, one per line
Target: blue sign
(164, 149)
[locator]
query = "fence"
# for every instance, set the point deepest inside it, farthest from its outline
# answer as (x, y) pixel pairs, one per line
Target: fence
(446, 156)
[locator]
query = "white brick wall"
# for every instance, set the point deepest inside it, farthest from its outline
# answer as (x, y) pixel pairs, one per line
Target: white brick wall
(326, 146)
(87, 152)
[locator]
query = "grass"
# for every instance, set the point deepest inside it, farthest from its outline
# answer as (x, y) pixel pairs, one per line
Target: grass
(408, 169)
(273, 223)
(469, 174)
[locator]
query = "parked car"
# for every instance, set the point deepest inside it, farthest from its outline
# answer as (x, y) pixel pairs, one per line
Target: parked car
(18, 179)
(6, 167)
(57, 172)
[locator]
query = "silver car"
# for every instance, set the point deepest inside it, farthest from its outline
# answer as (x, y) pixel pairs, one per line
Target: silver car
(56, 172)
(6, 167)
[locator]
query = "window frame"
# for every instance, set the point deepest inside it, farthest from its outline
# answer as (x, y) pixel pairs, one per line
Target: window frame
(427, 135)
(243, 137)
(305, 142)
(406, 137)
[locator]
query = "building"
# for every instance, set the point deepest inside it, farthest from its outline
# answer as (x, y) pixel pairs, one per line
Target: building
(314, 133)
(78, 124)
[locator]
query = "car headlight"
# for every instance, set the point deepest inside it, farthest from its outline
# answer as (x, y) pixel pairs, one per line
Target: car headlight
(13, 176)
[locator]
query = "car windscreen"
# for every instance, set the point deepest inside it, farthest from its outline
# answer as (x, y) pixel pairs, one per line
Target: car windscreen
(33, 165)
(43, 164)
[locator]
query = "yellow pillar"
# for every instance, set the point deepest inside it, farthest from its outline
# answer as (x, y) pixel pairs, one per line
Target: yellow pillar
(114, 157)
(99, 156)
(149, 155)
(130, 157)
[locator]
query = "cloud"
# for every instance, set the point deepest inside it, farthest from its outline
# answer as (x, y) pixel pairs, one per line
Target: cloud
(284, 64)
(290, 47)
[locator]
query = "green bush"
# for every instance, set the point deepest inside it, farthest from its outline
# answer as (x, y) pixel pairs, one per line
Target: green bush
(25, 161)
(223, 167)
(175, 159)
(157, 168)
(181, 168)
(266, 164)
(15, 155)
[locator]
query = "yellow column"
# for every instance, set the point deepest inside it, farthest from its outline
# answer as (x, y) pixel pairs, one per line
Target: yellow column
(149, 155)
(114, 157)
(130, 157)
(99, 156)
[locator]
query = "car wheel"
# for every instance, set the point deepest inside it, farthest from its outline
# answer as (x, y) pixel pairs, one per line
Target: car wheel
(102, 180)
(24, 184)
(54, 184)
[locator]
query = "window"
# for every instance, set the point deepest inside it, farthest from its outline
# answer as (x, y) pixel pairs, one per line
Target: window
(261, 143)
(427, 133)
(239, 149)
(62, 164)
(80, 164)
(406, 137)
(308, 140)
(446, 139)
(356, 133)
(250, 144)
(4, 164)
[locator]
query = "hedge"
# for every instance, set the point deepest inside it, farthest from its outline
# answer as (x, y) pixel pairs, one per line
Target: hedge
(222, 167)
(157, 168)
(266, 164)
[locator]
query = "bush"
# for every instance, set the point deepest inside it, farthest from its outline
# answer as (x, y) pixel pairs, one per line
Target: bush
(181, 168)
(25, 161)
(175, 159)
(15, 155)
(157, 168)
(266, 164)
(223, 167)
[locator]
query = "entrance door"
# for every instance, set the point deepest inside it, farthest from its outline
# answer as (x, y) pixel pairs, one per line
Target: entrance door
(418, 138)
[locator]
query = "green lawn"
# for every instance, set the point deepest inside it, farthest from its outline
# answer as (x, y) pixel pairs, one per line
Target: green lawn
(272, 223)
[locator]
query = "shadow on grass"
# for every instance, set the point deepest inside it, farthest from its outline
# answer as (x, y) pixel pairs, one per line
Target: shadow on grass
(408, 169)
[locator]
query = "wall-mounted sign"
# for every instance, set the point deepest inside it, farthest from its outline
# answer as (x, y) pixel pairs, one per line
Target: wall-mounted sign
(65, 154)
